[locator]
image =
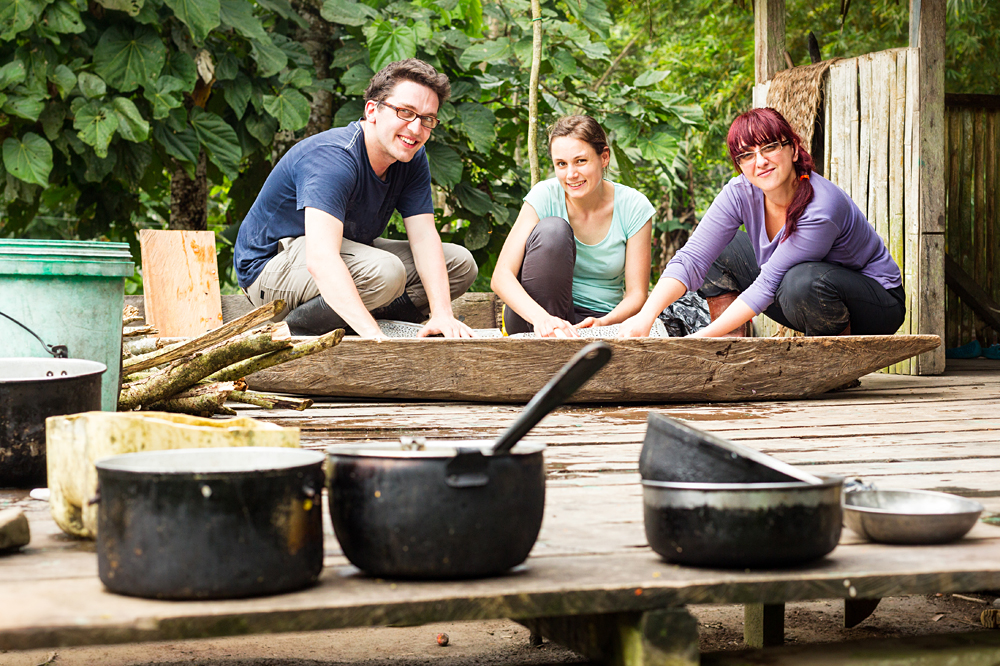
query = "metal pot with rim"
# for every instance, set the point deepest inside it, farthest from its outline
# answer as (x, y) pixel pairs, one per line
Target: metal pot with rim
(210, 523)
(416, 509)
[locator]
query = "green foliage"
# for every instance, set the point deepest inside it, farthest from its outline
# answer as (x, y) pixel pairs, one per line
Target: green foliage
(122, 92)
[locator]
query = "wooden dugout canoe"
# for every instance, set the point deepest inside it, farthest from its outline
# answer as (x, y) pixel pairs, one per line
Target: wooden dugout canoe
(505, 370)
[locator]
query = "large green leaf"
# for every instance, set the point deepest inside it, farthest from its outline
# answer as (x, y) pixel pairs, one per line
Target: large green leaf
(388, 43)
(183, 145)
(99, 167)
(64, 79)
(12, 73)
(446, 165)
(28, 108)
(348, 54)
(473, 200)
(52, 120)
(659, 145)
(127, 59)
(237, 93)
(349, 112)
(219, 140)
(488, 51)
(133, 160)
(472, 11)
(284, 9)
(290, 107)
(295, 51)
(130, 7)
(200, 16)
(591, 13)
(478, 123)
(61, 16)
(238, 14)
(477, 236)
(347, 12)
(356, 79)
(465, 88)
(626, 169)
(269, 58)
(164, 95)
(96, 124)
(29, 159)
(650, 78)
(262, 127)
(91, 85)
(131, 125)
(181, 66)
(295, 78)
(18, 15)
(227, 67)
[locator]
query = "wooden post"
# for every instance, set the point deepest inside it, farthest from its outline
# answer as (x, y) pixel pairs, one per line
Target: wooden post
(769, 39)
(763, 625)
(927, 33)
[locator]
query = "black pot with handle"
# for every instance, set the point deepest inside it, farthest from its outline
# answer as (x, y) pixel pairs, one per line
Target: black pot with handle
(415, 509)
(210, 523)
(31, 390)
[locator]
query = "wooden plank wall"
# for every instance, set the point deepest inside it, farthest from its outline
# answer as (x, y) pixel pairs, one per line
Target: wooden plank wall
(972, 175)
(869, 152)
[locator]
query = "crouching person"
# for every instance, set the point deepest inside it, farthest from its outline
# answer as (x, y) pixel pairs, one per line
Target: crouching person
(312, 237)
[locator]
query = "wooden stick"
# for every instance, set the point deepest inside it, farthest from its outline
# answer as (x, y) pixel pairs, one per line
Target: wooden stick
(136, 331)
(199, 405)
(140, 346)
(185, 374)
(215, 336)
(268, 401)
(252, 365)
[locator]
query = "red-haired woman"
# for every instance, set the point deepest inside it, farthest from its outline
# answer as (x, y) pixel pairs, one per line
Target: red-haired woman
(808, 258)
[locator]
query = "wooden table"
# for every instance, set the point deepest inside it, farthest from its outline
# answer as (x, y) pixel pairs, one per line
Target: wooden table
(591, 582)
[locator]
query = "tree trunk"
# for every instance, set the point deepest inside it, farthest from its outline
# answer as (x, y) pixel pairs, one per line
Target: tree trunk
(189, 198)
(536, 63)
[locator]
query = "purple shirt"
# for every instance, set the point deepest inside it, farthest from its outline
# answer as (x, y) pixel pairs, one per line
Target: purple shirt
(832, 229)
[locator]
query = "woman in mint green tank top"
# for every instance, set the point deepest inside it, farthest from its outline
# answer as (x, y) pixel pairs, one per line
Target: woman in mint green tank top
(579, 253)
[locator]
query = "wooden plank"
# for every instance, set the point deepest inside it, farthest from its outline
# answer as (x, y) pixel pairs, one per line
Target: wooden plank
(973, 296)
(828, 103)
(840, 172)
(927, 33)
(953, 234)
(911, 211)
(180, 279)
(763, 625)
(513, 370)
(878, 204)
(860, 173)
(964, 258)
(896, 220)
(769, 39)
(980, 648)
(979, 204)
(992, 228)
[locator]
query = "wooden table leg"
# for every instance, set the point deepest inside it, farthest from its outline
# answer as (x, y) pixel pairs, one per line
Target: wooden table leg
(763, 625)
(667, 637)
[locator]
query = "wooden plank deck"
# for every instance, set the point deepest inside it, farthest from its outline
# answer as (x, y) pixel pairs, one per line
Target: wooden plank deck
(591, 558)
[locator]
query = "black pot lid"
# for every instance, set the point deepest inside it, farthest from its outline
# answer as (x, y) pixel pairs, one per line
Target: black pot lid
(227, 460)
(417, 447)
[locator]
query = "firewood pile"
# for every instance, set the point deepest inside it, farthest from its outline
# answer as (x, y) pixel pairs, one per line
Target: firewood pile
(199, 375)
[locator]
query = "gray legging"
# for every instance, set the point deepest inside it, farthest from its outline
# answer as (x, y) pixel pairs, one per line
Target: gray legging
(816, 298)
(547, 275)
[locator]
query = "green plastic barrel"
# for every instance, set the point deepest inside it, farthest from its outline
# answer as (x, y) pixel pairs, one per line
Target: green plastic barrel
(69, 293)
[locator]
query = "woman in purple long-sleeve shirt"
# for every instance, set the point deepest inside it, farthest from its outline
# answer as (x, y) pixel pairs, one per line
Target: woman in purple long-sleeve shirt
(808, 258)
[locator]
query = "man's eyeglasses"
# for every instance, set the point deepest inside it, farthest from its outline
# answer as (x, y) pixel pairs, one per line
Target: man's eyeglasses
(409, 115)
(743, 159)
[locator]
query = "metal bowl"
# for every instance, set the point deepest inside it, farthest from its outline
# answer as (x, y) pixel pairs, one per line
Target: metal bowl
(909, 516)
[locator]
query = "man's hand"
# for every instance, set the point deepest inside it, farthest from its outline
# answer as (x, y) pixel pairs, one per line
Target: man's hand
(447, 326)
(636, 326)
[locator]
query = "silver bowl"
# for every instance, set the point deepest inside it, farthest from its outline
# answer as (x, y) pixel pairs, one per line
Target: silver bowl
(909, 516)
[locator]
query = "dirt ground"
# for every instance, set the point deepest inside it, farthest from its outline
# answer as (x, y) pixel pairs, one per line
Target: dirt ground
(505, 643)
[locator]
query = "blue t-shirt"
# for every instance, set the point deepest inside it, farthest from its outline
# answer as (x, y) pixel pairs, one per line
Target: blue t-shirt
(599, 273)
(329, 171)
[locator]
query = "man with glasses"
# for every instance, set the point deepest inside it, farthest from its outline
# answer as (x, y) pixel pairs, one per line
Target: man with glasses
(312, 237)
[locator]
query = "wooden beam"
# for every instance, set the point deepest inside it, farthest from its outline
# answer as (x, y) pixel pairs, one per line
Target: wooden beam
(927, 34)
(972, 295)
(769, 38)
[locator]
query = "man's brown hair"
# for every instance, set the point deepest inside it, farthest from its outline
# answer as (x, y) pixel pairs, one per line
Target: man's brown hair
(411, 69)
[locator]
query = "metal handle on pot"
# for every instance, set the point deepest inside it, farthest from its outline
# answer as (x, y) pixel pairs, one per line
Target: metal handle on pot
(57, 351)
(570, 377)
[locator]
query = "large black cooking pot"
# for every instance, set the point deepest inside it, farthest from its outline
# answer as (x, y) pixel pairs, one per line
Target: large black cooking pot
(415, 509)
(742, 525)
(210, 523)
(31, 390)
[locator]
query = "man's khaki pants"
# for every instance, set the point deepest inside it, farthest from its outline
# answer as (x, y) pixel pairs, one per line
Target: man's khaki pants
(381, 274)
